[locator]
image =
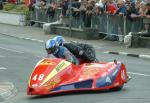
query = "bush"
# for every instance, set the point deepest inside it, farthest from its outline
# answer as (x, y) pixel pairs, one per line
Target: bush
(8, 7)
(16, 8)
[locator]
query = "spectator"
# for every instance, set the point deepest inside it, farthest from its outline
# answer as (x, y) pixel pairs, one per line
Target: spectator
(39, 8)
(1, 5)
(12, 1)
(142, 12)
(75, 8)
(64, 5)
(142, 8)
(40, 5)
(97, 9)
(102, 5)
(51, 9)
(83, 9)
(132, 16)
(30, 4)
(146, 19)
(111, 7)
(121, 11)
(121, 8)
(88, 15)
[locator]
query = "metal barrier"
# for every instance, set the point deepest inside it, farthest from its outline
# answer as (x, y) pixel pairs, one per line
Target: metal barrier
(40, 16)
(112, 25)
(134, 25)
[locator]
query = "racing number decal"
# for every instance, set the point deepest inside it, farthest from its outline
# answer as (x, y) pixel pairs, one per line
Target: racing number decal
(38, 77)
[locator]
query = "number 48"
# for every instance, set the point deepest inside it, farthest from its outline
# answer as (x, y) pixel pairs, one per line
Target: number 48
(36, 77)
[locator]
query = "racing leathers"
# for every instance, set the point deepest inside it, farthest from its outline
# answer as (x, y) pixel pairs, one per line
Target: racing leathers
(84, 51)
(63, 52)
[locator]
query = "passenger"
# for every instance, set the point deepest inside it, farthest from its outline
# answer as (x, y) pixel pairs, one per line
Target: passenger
(60, 51)
(84, 51)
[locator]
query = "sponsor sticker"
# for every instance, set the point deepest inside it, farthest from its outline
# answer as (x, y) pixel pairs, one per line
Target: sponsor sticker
(108, 80)
(90, 71)
(58, 68)
(61, 66)
(52, 83)
(123, 77)
(48, 63)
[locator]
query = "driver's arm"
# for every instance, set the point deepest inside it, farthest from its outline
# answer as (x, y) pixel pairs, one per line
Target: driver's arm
(70, 57)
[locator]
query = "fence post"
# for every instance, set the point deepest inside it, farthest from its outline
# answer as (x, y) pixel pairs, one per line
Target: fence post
(107, 25)
(124, 19)
(70, 26)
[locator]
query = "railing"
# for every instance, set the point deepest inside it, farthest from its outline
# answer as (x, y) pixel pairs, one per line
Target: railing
(108, 24)
(40, 16)
(111, 24)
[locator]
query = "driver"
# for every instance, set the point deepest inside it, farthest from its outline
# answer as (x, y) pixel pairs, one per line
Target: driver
(84, 51)
(60, 51)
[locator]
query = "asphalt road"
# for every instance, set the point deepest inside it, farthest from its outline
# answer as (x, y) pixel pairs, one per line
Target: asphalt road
(18, 58)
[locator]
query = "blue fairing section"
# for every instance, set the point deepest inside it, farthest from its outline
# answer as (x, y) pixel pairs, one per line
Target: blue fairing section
(78, 85)
(109, 79)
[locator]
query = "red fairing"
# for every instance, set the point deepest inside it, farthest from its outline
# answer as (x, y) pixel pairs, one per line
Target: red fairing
(58, 75)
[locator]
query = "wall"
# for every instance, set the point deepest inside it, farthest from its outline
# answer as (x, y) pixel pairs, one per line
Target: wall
(87, 33)
(12, 18)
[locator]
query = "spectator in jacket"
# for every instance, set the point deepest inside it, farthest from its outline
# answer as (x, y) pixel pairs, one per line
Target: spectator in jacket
(121, 8)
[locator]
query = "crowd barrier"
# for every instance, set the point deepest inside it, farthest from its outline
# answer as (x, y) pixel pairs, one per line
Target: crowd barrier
(108, 24)
(41, 16)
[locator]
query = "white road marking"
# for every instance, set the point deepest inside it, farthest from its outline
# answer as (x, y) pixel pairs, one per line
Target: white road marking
(106, 52)
(145, 56)
(2, 68)
(123, 53)
(11, 50)
(141, 74)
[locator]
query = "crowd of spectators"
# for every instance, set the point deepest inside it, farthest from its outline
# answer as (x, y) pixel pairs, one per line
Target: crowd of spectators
(129, 8)
(85, 9)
